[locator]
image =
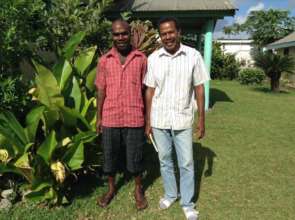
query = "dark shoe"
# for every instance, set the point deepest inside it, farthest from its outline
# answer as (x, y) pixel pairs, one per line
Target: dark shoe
(140, 201)
(105, 200)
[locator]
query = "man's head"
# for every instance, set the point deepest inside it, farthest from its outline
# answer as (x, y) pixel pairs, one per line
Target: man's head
(121, 32)
(170, 34)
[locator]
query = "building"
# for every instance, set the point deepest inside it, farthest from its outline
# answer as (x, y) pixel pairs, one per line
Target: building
(285, 46)
(241, 48)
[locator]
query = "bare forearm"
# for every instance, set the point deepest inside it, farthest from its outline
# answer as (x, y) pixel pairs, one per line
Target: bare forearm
(99, 101)
(200, 98)
(149, 93)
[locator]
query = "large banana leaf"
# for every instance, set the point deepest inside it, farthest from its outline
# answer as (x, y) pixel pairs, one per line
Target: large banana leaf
(48, 91)
(12, 130)
(45, 193)
(9, 168)
(71, 45)
(74, 157)
(23, 165)
(5, 144)
(84, 60)
(90, 80)
(76, 94)
(51, 116)
(39, 184)
(86, 104)
(24, 172)
(71, 118)
(32, 121)
(85, 137)
(47, 147)
(62, 72)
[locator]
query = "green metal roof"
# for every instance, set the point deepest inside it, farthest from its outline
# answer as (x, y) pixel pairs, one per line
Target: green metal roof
(288, 41)
(175, 5)
(192, 14)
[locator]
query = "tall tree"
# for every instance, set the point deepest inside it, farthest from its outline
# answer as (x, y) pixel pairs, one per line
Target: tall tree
(265, 26)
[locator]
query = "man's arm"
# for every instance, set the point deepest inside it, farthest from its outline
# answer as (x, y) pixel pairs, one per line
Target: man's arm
(99, 102)
(200, 98)
(149, 93)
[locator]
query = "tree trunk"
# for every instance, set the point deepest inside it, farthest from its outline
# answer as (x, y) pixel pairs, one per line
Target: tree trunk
(275, 84)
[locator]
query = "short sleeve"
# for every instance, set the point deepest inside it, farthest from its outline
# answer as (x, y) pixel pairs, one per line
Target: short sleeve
(100, 80)
(200, 74)
(149, 79)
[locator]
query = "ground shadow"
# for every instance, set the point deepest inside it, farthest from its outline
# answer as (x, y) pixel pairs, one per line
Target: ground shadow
(217, 95)
(203, 162)
(87, 181)
(267, 90)
(152, 166)
(202, 156)
(85, 185)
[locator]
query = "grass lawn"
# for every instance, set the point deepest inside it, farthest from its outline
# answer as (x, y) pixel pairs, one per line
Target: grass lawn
(245, 166)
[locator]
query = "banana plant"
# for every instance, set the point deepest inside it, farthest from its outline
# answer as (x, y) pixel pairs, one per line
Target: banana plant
(47, 169)
(51, 145)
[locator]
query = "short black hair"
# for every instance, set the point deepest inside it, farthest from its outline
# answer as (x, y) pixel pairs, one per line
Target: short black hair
(169, 19)
(122, 21)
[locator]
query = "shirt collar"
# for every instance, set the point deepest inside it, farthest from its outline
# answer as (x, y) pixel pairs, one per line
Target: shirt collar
(181, 50)
(113, 52)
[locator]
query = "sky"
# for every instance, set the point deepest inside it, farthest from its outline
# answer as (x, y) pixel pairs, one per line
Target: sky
(245, 7)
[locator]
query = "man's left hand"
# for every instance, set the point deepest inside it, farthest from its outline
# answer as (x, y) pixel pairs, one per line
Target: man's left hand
(200, 129)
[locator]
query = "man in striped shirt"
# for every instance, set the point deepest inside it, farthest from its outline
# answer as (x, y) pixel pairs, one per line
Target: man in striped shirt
(175, 77)
(120, 115)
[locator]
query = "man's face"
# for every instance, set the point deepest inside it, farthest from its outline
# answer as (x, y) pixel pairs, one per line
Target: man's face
(170, 36)
(121, 36)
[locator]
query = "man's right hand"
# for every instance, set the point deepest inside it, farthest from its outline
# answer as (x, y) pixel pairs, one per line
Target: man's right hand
(98, 126)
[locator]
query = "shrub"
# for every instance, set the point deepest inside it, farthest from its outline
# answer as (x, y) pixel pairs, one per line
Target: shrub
(50, 148)
(29, 28)
(251, 76)
(13, 93)
(224, 66)
(274, 65)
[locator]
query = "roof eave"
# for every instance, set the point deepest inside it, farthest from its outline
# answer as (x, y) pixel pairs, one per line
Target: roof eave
(280, 45)
(218, 14)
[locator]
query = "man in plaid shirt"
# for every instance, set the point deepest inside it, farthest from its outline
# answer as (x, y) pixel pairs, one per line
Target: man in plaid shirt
(120, 115)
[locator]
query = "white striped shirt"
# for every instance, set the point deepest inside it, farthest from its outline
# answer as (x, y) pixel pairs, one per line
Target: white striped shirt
(174, 77)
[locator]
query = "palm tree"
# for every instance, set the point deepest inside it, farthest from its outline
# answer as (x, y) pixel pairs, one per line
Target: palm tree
(274, 65)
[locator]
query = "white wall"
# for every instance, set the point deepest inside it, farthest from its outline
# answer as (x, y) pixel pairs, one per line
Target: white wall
(240, 48)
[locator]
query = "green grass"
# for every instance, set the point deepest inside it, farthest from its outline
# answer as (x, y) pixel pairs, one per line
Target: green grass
(248, 156)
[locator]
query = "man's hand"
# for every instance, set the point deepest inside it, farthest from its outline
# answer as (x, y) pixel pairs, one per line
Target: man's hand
(148, 129)
(98, 126)
(200, 129)
(99, 102)
(149, 93)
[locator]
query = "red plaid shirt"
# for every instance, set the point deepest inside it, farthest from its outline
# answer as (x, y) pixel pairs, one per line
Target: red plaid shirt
(123, 84)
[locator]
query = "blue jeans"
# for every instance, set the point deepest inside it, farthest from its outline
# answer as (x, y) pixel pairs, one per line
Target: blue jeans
(182, 140)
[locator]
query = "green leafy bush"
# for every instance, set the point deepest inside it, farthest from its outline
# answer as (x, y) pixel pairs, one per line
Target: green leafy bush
(50, 147)
(274, 65)
(251, 76)
(13, 95)
(224, 66)
(30, 28)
